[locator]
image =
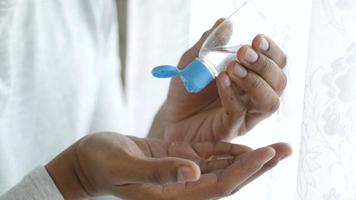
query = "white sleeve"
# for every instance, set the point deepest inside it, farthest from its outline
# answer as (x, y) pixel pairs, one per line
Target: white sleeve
(37, 185)
(7, 8)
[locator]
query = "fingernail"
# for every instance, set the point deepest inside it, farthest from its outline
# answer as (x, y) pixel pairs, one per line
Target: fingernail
(185, 174)
(264, 45)
(240, 71)
(226, 81)
(250, 55)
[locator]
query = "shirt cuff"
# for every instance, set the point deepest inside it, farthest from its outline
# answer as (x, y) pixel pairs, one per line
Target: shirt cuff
(37, 185)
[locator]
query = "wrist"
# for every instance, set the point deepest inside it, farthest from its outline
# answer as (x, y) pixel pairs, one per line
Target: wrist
(65, 173)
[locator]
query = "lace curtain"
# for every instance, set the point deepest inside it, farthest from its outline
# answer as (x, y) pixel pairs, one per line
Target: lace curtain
(327, 163)
(318, 112)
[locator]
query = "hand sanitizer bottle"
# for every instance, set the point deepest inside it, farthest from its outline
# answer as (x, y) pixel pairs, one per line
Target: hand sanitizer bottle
(220, 47)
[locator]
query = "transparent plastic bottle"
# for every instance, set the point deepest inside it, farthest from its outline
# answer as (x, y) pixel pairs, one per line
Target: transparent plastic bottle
(220, 47)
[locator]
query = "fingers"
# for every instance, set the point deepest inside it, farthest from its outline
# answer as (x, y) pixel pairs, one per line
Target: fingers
(208, 149)
(265, 67)
(230, 99)
(218, 155)
(222, 184)
(269, 48)
(263, 97)
(251, 87)
(212, 185)
(245, 167)
(283, 150)
(207, 166)
(163, 170)
(183, 150)
(205, 150)
(209, 156)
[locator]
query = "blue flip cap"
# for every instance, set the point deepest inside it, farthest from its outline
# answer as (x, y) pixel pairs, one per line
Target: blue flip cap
(195, 76)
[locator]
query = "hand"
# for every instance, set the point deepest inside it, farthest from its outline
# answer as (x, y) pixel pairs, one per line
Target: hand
(246, 93)
(134, 168)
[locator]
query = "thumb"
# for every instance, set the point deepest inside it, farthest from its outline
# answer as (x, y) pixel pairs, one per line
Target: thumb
(165, 170)
(193, 52)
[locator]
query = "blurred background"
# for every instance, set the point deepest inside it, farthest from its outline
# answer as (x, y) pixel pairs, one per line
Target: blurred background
(316, 36)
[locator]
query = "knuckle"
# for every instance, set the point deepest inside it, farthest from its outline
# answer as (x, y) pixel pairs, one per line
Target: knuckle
(265, 65)
(255, 84)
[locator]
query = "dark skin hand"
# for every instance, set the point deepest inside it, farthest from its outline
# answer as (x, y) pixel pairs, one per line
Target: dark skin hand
(246, 93)
(135, 168)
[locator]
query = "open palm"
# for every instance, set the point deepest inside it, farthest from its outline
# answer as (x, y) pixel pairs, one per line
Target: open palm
(224, 168)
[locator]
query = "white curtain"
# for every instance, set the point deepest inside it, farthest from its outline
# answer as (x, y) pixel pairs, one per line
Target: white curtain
(327, 164)
(318, 112)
